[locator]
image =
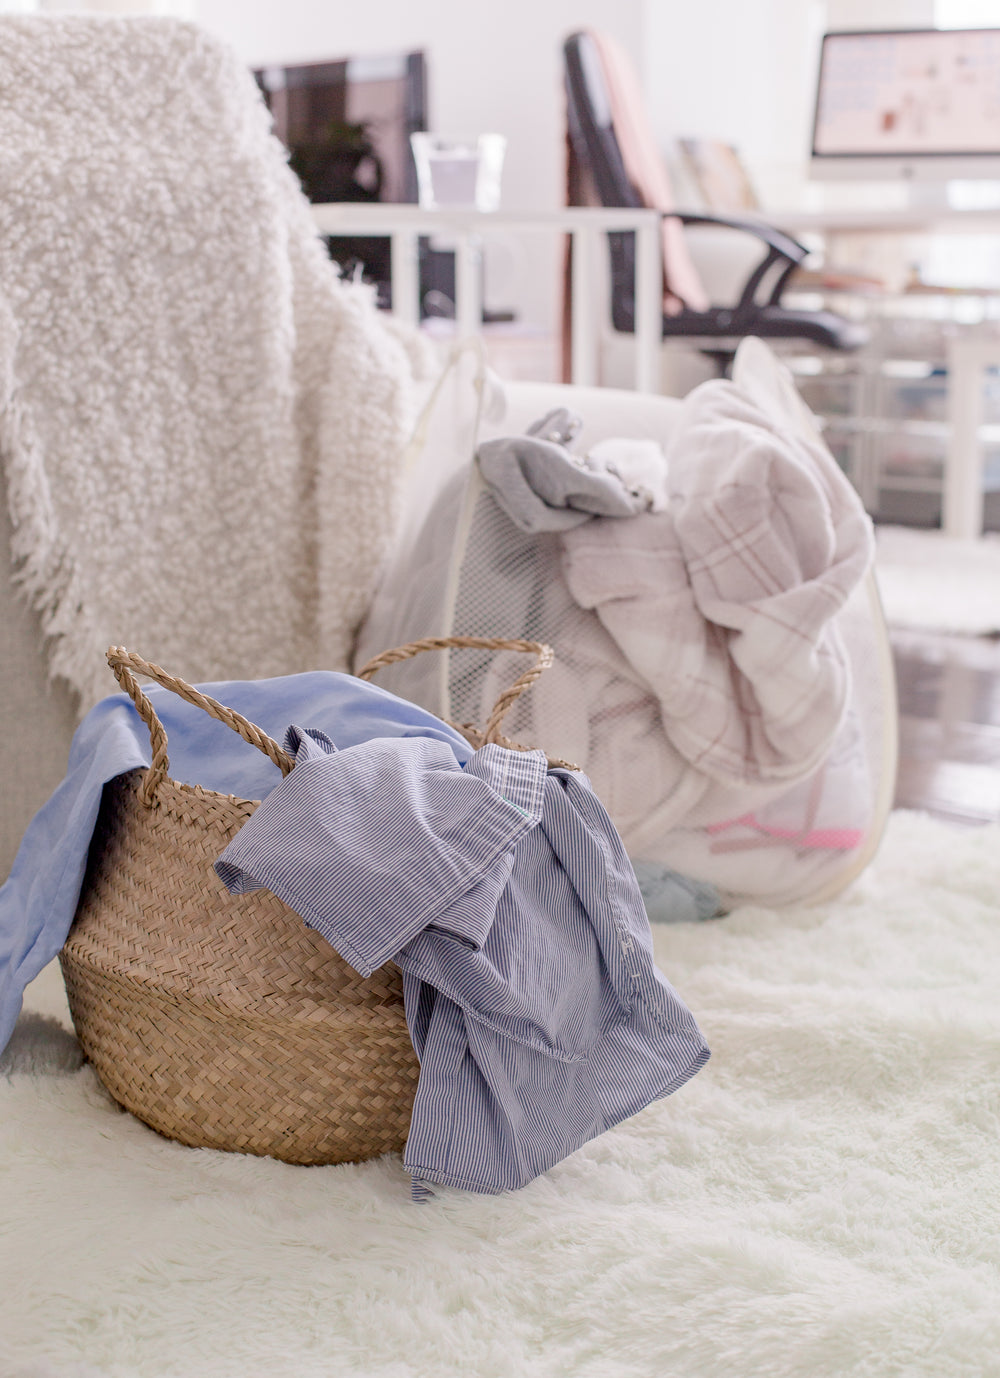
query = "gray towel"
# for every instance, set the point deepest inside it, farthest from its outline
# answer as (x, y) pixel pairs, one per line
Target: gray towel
(543, 486)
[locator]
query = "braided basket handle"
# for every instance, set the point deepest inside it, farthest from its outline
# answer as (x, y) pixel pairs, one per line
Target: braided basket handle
(545, 657)
(126, 664)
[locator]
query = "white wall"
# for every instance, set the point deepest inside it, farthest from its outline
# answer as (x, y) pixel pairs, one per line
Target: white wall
(746, 72)
(740, 72)
(880, 14)
(491, 66)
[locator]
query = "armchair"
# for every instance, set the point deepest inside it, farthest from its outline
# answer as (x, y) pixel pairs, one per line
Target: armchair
(201, 425)
(614, 161)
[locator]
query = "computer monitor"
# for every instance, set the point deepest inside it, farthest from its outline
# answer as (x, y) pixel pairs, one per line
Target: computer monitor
(908, 104)
(347, 127)
(347, 124)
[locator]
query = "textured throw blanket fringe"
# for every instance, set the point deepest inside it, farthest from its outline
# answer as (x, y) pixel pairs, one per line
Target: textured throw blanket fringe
(200, 423)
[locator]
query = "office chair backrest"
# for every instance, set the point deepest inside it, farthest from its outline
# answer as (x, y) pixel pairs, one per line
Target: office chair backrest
(610, 136)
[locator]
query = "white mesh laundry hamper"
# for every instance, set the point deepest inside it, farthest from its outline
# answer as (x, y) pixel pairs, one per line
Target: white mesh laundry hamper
(461, 567)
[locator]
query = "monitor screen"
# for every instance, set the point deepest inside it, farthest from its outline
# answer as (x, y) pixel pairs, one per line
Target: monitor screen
(347, 124)
(927, 93)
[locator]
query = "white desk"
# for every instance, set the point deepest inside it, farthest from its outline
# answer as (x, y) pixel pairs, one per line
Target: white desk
(405, 224)
(900, 220)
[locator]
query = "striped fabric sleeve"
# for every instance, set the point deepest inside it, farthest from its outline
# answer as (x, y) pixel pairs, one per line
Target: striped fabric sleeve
(372, 844)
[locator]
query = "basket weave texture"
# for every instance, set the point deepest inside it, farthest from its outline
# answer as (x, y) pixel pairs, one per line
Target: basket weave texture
(222, 1020)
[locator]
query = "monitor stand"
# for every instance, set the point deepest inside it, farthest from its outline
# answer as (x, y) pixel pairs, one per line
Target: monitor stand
(925, 195)
(951, 194)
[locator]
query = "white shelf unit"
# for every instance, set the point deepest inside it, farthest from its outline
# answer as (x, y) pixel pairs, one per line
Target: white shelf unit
(887, 410)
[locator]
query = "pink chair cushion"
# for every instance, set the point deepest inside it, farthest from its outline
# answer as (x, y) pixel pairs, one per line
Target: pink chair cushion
(648, 174)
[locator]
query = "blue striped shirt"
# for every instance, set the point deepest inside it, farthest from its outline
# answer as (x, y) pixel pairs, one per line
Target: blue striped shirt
(39, 900)
(503, 893)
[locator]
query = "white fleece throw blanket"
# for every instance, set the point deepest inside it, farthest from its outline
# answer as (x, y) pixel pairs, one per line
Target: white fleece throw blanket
(200, 424)
(820, 1202)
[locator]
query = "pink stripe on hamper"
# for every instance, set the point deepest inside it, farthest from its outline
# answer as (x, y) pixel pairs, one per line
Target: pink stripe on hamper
(816, 839)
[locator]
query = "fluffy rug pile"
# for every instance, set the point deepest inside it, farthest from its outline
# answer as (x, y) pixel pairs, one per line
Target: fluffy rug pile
(931, 582)
(821, 1201)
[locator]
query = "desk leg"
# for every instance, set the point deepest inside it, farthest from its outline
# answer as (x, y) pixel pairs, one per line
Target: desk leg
(468, 286)
(405, 277)
(583, 321)
(962, 514)
(648, 307)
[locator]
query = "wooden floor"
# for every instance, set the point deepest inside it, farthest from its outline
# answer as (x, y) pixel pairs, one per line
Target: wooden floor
(949, 706)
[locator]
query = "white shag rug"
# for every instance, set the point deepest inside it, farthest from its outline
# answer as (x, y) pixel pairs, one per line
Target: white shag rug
(821, 1202)
(931, 582)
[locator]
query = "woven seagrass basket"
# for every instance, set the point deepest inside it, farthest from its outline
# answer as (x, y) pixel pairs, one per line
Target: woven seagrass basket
(221, 1020)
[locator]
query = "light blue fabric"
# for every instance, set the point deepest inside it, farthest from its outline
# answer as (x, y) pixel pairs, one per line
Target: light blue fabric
(503, 893)
(673, 898)
(39, 899)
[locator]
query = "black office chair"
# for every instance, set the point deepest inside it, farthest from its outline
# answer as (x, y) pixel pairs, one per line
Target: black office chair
(598, 158)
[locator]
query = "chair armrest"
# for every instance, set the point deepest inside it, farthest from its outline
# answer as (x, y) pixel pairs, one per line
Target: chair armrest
(783, 244)
(781, 249)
